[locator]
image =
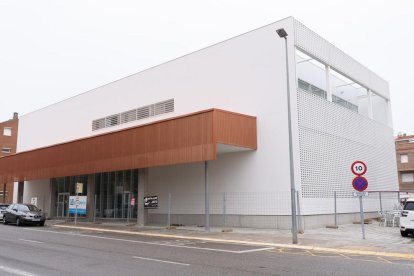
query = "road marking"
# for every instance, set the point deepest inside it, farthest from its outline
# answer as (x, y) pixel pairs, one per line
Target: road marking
(161, 261)
(159, 243)
(30, 241)
(279, 245)
(15, 271)
(255, 250)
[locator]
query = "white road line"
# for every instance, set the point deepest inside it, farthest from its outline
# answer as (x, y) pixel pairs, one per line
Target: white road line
(15, 271)
(152, 243)
(161, 261)
(30, 241)
(255, 250)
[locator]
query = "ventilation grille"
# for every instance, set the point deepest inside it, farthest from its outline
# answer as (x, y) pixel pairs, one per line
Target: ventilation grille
(134, 115)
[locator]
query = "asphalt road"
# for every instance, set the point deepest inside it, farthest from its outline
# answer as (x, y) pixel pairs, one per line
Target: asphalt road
(55, 251)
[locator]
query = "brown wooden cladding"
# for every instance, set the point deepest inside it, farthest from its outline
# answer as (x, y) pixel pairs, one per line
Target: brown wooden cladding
(190, 138)
(235, 129)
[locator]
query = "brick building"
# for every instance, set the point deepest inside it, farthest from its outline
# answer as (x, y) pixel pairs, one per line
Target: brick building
(8, 142)
(404, 146)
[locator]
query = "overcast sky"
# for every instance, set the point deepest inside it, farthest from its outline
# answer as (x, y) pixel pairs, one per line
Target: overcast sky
(52, 50)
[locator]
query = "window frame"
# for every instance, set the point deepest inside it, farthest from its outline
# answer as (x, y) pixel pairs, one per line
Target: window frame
(5, 133)
(403, 158)
(6, 150)
(411, 179)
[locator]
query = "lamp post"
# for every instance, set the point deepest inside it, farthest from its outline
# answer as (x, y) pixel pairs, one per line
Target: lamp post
(283, 34)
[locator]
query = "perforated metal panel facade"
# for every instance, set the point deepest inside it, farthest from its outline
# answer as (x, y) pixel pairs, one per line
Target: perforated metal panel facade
(316, 46)
(331, 137)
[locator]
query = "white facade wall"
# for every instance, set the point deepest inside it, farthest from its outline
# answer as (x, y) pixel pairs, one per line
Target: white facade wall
(39, 189)
(245, 74)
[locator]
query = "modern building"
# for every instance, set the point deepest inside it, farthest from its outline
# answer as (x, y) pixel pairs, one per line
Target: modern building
(8, 143)
(404, 146)
(207, 136)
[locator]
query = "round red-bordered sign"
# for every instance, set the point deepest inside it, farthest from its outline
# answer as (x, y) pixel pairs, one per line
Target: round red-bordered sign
(360, 183)
(358, 168)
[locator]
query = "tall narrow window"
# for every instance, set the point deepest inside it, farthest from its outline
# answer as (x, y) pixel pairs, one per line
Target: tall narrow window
(404, 158)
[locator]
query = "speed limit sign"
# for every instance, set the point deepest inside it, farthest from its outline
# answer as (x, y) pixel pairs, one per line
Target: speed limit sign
(359, 168)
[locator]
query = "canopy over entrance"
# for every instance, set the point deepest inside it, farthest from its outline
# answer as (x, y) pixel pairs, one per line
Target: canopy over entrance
(190, 138)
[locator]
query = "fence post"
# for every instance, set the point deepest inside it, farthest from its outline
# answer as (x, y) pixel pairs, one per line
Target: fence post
(399, 199)
(336, 219)
(94, 209)
(169, 211)
(380, 198)
(129, 207)
(224, 210)
(299, 214)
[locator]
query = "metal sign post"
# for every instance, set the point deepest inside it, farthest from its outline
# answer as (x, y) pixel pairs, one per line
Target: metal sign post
(79, 190)
(362, 217)
(360, 184)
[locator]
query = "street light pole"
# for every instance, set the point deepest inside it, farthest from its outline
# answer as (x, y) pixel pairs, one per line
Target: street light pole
(283, 34)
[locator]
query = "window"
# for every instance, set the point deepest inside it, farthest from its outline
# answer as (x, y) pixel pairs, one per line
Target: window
(6, 150)
(407, 177)
(7, 131)
(311, 88)
(404, 158)
(409, 206)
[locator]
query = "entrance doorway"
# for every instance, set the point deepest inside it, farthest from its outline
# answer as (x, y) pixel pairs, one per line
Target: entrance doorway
(62, 210)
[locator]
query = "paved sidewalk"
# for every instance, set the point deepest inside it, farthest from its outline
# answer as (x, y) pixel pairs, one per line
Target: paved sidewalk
(346, 237)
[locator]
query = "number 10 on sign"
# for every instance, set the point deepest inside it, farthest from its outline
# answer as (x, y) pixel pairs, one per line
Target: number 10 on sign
(359, 168)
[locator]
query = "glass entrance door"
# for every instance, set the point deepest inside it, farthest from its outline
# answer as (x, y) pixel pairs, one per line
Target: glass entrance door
(62, 205)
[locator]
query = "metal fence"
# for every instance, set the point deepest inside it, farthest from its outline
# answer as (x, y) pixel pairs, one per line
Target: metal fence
(242, 209)
(269, 210)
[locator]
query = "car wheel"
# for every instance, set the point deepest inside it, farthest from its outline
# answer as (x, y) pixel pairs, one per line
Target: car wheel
(42, 224)
(4, 220)
(404, 233)
(18, 222)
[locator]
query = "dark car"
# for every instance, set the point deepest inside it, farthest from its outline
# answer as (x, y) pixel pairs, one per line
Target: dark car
(24, 214)
(3, 208)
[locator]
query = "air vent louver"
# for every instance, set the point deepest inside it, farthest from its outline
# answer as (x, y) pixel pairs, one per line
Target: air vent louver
(134, 114)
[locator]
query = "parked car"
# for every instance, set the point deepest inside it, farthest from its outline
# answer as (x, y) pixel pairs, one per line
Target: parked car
(21, 214)
(407, 218)
(3, 208)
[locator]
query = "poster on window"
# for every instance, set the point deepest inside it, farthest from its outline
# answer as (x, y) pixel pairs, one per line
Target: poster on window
(79, 203)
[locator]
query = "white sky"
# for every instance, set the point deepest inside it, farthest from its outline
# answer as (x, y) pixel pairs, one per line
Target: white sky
(52, 50)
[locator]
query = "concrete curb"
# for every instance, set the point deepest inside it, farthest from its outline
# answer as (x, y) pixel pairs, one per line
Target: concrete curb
(278, 245)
